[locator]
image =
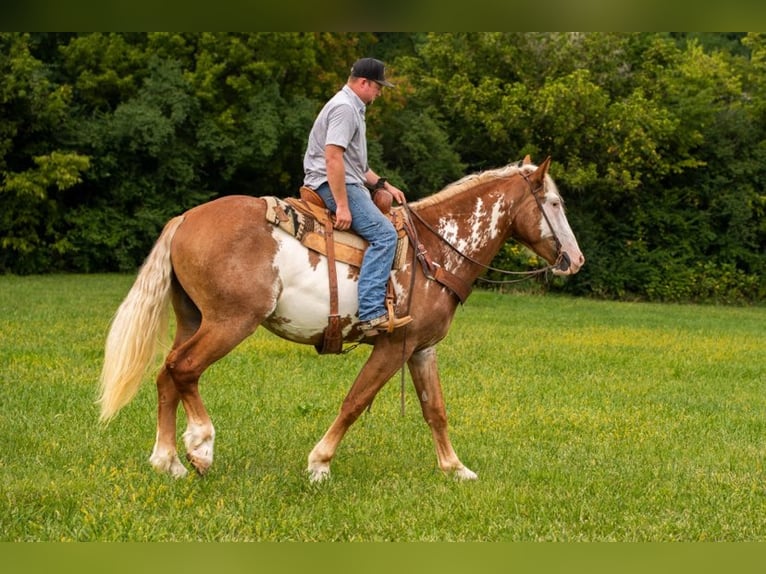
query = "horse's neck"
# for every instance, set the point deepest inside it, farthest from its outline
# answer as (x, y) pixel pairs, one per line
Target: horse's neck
(474, 220)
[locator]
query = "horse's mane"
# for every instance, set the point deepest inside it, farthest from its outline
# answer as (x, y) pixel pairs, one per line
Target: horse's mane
(472, 180)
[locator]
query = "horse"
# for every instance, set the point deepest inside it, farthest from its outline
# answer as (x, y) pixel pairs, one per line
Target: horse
(226, 270)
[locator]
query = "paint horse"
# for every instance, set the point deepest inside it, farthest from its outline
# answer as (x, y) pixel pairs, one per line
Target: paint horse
(226, 270)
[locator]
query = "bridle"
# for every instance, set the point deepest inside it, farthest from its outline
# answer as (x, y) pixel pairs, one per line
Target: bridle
(562, 259)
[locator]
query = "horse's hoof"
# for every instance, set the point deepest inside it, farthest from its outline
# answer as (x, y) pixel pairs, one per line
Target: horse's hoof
(168, 464)
(465, 474)
(200, 465)
(178, 470)
(318, 475)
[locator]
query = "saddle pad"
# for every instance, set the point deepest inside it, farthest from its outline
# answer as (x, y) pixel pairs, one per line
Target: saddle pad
(306, 221)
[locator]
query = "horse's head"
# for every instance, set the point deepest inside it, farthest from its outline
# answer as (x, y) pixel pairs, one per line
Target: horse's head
(541, 223)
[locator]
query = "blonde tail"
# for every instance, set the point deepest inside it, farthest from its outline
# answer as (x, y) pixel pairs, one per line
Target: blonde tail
(140, 321)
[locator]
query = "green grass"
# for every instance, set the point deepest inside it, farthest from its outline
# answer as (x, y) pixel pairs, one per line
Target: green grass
(586, 420)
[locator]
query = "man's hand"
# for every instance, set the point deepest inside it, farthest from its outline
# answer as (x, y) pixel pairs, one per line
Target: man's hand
(397, 193)
(342, 217)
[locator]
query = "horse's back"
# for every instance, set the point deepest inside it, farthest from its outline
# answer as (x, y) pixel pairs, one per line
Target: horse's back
(228, 211)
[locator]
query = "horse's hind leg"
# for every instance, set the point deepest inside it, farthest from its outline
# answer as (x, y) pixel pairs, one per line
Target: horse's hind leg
(185, 365)
(164, 456)
(197, 345)
(425, 376)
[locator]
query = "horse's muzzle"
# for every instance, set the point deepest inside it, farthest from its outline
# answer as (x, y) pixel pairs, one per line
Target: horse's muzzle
(565, 266)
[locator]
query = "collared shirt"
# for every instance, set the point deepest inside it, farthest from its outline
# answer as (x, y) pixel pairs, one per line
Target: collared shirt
(341, 122)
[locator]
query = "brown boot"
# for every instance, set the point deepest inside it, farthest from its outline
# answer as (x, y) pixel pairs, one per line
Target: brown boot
(384, 323)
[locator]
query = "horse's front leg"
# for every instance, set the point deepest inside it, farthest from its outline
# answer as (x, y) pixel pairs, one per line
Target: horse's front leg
(425, 376)
(383, 362)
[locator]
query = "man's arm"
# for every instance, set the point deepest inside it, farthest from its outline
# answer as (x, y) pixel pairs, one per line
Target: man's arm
(336, 178)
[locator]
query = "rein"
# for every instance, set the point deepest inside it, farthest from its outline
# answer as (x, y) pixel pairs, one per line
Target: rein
(561, 260)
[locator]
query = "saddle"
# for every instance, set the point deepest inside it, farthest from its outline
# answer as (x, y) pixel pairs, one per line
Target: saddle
(308, 220)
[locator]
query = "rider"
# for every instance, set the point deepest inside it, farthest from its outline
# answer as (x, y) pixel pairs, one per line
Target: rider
(335, 166)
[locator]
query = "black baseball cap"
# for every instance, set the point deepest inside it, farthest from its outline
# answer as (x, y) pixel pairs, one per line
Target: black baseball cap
(371, 69)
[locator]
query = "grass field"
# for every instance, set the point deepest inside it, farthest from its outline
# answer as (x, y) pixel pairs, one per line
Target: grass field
(585, 420)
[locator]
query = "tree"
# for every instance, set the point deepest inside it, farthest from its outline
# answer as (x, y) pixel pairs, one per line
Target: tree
(657, 140)
(36, 173)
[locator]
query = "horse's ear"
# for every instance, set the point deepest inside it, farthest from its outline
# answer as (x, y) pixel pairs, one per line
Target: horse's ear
(527, 160)
(541, 170)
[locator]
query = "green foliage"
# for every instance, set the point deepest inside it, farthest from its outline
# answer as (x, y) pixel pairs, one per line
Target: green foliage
(36, 175)
(658, 140)
(631, 120)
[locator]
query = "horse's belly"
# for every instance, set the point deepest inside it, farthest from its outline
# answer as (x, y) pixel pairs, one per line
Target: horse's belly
(303, 304)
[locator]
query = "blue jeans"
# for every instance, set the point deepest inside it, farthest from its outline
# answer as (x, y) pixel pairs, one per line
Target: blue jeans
(368, 221)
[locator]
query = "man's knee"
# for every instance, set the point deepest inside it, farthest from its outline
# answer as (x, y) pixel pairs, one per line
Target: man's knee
(387, 235)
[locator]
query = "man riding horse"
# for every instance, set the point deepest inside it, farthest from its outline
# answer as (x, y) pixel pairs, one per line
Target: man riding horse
(336, 167)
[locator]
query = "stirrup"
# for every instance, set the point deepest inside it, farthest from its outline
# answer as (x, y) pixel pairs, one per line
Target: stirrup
(387, 323)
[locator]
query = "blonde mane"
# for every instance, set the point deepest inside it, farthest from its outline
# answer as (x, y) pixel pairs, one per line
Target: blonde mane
(474, 179)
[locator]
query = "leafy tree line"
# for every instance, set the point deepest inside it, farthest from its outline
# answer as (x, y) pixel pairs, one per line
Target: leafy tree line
(658, 140)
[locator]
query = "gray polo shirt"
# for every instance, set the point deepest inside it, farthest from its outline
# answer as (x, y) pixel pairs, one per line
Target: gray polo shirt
(341, 122)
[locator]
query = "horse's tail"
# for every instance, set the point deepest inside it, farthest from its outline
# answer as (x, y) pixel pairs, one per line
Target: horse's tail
(140, 322)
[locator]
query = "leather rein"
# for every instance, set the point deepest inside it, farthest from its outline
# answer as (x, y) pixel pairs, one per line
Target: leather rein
(562, 259)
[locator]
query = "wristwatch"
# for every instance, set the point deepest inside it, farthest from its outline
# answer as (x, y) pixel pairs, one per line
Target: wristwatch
(380, 184)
